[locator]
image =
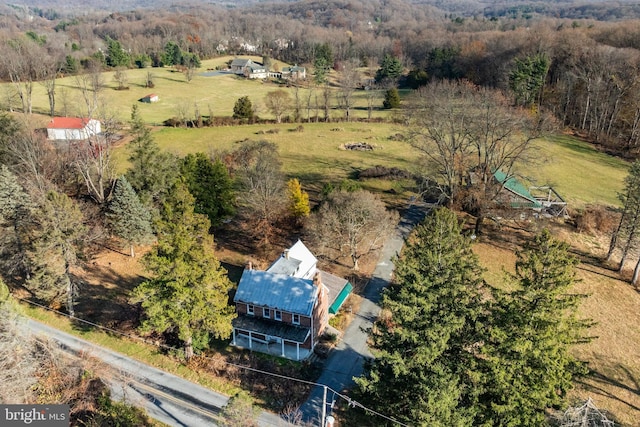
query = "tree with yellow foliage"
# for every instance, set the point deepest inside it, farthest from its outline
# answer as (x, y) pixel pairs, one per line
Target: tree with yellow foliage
(298, 200)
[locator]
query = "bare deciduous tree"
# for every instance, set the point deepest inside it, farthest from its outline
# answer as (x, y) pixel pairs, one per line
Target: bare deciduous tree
(351, 224)
(91, 85)
(349, 80)
(22, 58)
(120, 77)
(467, 134)
(93, 161)
(277, 102)
(51, 64)
(262, 194)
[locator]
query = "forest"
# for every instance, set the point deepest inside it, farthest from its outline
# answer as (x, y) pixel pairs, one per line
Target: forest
(498, 76)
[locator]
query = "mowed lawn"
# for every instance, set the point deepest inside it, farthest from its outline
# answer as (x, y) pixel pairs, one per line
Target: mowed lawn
(209, 94)
(315, 155)
(579, 172)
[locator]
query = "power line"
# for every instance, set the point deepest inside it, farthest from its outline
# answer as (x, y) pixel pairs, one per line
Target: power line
(350, 402)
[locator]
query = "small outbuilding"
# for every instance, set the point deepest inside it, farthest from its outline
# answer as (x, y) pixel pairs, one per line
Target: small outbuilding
(72, 128)
(152, 97)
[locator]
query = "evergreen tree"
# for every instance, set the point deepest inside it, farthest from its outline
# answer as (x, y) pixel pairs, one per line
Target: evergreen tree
(391, 99)
(425, 371)
(172, 54)
(152, 171)
(298, 199)
(527, 78)
(116, 55)
(527, 348)
(390, 69)
(55, 247)
(188, 293)
(322, 63)
(417, 78)
(324, 55)
(628, 230)
(127, 217)
(9, 130)
(211, 186)
(16, 220)
(243, 109)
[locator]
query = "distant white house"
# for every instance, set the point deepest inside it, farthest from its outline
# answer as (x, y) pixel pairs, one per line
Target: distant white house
(249, 69)
(72, 128)
(294, 73)
(256, 71)
(238, 65)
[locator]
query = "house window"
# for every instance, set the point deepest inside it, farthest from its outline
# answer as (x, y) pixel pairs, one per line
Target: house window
(277, 314)
(250, 309)
(295, 319)
(266, 313)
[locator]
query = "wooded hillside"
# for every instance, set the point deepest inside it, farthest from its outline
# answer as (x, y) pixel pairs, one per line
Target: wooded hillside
(588, 53)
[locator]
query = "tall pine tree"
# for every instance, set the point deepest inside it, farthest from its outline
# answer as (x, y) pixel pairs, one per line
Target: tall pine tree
(152, 171)
(211, 186)
(527, 347)
(56, 244)
(188, 292)
(626, 234)
(16, 221)
(425, 370)
(127, 217)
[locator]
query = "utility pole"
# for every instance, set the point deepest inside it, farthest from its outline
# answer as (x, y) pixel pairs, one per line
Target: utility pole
(324, 406)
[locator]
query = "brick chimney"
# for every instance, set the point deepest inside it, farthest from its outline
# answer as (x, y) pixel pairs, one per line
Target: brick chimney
(317, 279)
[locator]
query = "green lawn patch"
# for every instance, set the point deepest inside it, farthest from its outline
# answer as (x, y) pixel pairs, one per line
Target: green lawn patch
(580, 173)
(209, 95)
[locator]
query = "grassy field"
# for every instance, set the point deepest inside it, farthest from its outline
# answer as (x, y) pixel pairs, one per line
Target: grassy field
(314, 155)
(578, 171)
(214, 95)
(581, 174)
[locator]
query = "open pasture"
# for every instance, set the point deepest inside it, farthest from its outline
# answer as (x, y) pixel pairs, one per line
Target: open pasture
(580, 173)
(209, 94)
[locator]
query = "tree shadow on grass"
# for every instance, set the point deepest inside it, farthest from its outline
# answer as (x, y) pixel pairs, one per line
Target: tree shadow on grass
(103, 299)
(605, 385)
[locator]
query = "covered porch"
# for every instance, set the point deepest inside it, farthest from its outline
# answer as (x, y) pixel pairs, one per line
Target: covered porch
(286, 350)
(270, 337)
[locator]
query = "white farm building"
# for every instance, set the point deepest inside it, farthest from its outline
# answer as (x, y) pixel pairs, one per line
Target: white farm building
(72, 128)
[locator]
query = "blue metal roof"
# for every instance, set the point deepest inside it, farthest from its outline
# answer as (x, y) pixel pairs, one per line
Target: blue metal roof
(277, 291)
(283, 265)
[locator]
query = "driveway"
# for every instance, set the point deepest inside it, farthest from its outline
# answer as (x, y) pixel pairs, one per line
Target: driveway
(346, 361)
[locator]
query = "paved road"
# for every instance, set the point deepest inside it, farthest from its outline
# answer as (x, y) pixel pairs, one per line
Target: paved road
(347, 359)
(166, 397)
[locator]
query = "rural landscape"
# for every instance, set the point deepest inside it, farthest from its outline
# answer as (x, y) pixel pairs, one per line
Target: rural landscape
(215, 190)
